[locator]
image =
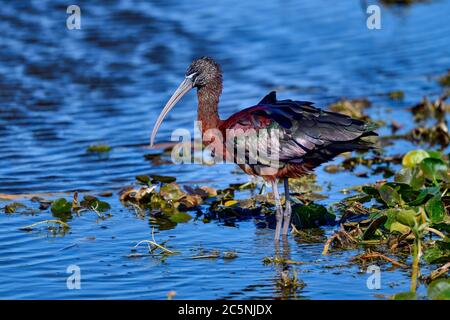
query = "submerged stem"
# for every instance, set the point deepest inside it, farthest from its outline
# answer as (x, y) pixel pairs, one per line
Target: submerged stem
(417, 250)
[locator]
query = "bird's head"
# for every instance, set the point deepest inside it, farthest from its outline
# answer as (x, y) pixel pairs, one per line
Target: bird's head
(201, 73)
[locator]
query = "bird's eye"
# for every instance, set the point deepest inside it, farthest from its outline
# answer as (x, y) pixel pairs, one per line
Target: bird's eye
(192, 75)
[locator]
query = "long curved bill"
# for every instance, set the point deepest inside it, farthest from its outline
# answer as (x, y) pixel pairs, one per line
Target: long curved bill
(182, 89)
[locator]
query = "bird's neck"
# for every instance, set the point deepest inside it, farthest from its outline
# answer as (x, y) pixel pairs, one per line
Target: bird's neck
(208, 102)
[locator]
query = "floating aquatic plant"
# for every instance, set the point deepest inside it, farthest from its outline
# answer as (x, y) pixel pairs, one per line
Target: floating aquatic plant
(353, 108)
(444, 80)
(403, 213)
(99, 148)
(396, 95)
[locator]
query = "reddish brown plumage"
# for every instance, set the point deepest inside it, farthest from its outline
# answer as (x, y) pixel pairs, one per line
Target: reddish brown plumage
(282, 139)
(309, 136)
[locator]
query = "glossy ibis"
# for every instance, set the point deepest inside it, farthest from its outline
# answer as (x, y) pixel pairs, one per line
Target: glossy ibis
(307, 136)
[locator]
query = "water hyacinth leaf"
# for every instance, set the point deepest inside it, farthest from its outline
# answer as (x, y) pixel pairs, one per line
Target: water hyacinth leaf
(435, 154)
(406, 217)
(411, 176)
(400, 228)
(404, 175)
(424, 195)
(61, 206)
(414, 157)
(162, 179)
(391, 216)
(434, 169)
(418, 178)
(443, 226)
(435, 209)
(406, 192)
(144, 179)
(93, 203)
(99, 148)
(370, 190)
(444, 80)
(180, 217)
(439, 289)
(439, 253)
(389, 195)
(101, 206)
(311, 216)
(404, 296)
(12, 207)
(373, 227)
(172, 192)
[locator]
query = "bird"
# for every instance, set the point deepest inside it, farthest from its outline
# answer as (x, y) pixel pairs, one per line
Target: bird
(306, 137)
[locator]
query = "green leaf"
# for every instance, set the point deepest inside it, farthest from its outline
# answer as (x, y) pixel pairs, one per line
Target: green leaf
(424, 195)
(144, 179)
(434, 169)
(389, 195)
(404, 296)
(12, 207)
(435, 209)
(61, 206)
(414, 157)
(91, 202)
(180, 217)
(374, 225)
(406, 217)
(439, 253)
(435, 154)
(398, 227)
(439, 289)
(404, 175)
(311, 216)
(172, 192)
(391, 215)
(443, 226)
(162, 179)
(99, 148)
(370, 190)
(406, 192)
(417, 178)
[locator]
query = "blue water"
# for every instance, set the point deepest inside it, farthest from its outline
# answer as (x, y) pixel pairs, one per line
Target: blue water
(62, 90)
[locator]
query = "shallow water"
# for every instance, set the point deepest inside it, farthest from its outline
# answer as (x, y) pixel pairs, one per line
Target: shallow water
(62, 90)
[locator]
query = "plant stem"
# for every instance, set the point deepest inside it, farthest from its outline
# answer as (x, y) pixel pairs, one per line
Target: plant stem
(437, 232)
(415, 266)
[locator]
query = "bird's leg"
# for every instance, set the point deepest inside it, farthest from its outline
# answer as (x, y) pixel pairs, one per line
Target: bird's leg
(288, 209)
(279, 214)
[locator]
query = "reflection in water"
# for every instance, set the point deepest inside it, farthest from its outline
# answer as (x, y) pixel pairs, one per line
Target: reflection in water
(287, 281)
